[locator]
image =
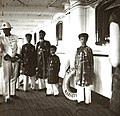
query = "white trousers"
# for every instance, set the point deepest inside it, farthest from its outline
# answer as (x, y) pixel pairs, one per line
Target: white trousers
(41, 83)
(10, 74)
(84, 94)
(52, 89)
(1, 80)
(26, 82)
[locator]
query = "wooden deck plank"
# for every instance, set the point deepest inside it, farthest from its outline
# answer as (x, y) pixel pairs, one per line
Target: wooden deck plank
(27, 102)
(41, 109)
(35, 103)
(2, 113)
(9, 109)
(20, 103)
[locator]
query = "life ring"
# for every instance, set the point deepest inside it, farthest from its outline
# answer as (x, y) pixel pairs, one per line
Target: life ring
(66, 85)
(114, 44)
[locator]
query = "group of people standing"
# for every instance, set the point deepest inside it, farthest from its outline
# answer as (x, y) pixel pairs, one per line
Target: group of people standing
(40, 61)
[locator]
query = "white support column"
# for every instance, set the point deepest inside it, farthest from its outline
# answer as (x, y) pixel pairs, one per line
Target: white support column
(114, 44)
(77, 23)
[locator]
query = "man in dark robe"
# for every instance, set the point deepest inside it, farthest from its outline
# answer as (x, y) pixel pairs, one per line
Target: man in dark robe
(43, 51)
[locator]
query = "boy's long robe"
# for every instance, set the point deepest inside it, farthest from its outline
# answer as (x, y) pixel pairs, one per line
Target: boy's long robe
(84, 65)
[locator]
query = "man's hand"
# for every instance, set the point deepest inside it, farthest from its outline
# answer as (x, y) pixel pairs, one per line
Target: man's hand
(7, 57)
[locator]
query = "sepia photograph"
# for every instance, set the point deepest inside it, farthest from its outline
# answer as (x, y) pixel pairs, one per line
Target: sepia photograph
(59, 57)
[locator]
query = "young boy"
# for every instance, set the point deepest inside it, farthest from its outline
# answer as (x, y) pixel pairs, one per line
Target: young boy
(84, 65)
(53, 68)
(28, 62)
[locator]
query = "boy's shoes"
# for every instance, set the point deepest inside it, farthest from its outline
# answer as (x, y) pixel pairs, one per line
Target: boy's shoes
(80, 103)
(26, 90)
(83, 104)
(56, 95)
(48, 94)
(87, 104)
(33, 89)
(8, 100)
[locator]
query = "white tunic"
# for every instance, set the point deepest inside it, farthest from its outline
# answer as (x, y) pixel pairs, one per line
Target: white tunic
(10, 45)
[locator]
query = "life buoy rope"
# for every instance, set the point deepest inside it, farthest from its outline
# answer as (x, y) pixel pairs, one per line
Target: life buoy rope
(66, 84)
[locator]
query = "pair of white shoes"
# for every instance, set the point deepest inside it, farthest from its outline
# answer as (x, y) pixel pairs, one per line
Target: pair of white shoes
(7, 98)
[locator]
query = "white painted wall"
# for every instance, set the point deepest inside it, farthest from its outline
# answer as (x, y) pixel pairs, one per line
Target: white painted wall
(103, 71)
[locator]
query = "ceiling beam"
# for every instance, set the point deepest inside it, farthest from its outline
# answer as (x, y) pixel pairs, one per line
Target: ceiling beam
(28, 17)
(19, 22)
(30, 9)
(25, 26)
(24, 21)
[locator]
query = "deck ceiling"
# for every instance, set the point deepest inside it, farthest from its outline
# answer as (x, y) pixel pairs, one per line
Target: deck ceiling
(25, 15)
